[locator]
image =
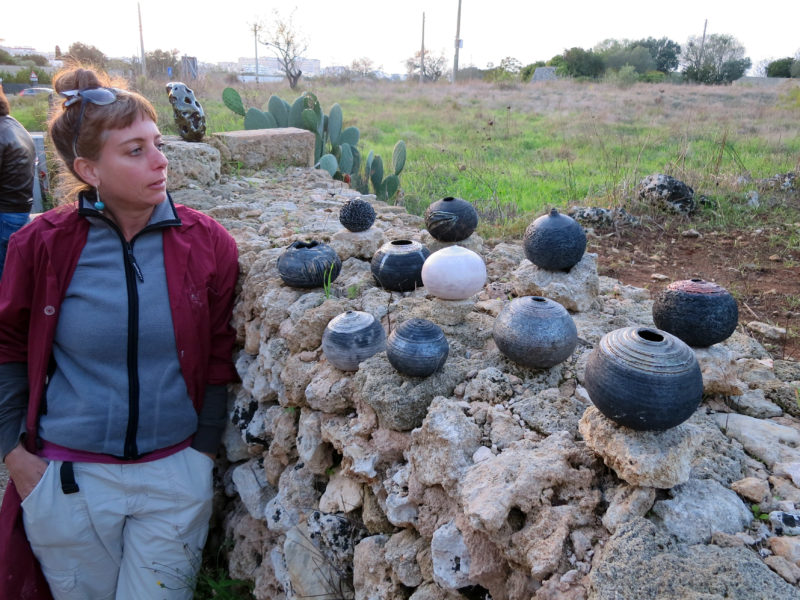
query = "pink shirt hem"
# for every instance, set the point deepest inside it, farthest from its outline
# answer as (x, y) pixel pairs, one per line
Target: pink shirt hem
(56, 452)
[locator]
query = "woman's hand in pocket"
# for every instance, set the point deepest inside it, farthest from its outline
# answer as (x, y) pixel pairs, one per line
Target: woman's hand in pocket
(25, 469)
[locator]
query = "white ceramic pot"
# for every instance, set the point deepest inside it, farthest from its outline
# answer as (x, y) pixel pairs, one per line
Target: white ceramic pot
(454, 273)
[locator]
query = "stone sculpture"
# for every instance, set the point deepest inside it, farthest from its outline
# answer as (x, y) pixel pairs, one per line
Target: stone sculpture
(189, 115)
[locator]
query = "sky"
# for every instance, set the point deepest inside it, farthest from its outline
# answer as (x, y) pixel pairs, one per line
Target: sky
(388, 33)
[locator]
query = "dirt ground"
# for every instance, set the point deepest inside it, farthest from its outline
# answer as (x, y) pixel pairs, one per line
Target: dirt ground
(759, 264)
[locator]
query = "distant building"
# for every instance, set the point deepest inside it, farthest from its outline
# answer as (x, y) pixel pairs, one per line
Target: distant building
(19, 50)
(270, 66)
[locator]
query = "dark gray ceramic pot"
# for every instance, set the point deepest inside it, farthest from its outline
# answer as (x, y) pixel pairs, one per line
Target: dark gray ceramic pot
(699, 312)
(554, 242)
(644, 378)
(397, 265)
(451, 219)
(417, 347)
(535, 332)
(357, 215)
(308, 264)
(351, 338)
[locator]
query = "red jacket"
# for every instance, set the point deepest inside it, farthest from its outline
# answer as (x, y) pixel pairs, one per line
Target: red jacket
(201, 264)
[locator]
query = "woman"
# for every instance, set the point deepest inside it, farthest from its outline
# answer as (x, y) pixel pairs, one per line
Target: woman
(17, 172)
(115, 351)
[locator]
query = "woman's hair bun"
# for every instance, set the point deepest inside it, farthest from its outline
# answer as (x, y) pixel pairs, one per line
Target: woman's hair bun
(78, 78)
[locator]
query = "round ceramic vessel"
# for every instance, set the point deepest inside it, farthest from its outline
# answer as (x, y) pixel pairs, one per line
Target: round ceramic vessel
(397, 265)
(699, 312)
(352, 337)
(535, 332)
(454, 273)
(451, 219)
(417, 347)
(309, 264)
(554, 242)
(644, 378)
(357, 215)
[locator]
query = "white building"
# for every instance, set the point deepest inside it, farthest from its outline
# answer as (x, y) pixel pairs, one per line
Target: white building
(270, 66)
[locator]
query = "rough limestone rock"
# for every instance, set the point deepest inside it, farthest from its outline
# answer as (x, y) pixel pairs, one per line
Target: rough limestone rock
(575, 290)
(488, 457)
(252, 487)
(639, 561)
(626, 503)
(699, 508)
(667, 193)
(451, 558)
(403, 403)
(661, 459)
(191, 163)
(258, 148)
(768, 441)
(441, 449)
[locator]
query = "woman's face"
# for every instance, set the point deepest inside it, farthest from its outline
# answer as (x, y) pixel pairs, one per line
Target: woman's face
(132, 170)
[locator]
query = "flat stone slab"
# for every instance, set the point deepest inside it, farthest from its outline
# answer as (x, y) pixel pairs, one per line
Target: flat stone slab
(263, 148)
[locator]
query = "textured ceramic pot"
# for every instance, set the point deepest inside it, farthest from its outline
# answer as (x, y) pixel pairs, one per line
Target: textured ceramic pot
(356, 215)
(454, 273)
(451, 219)
(644, 378)
(699, 312)
(397, 265)
(535, 332)
(417, 347)
(308, 264)
(352, 337)
(554, 242)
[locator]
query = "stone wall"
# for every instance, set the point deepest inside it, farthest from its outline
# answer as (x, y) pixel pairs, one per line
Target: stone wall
(510, 485)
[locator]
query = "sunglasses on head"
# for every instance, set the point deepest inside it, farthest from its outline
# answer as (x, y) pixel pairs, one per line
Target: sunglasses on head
(100, 96)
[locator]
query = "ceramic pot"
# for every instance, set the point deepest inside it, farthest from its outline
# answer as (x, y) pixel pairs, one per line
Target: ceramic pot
(357, 215)
(644, 378)
(699, 312)
(308, 264)
(417, 347)
(454, 273)
(554, 242)
(451, 219)
(535, 332)
(352, 337)
(397, 265)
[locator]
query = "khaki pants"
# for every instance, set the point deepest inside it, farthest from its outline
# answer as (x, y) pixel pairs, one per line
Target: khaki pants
(132, 532)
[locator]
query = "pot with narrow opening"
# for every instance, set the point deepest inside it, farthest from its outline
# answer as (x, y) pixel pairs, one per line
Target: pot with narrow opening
(417, 347)
(644, 378)
(309, 264)
(699, 312)
(397, 265)
(451, 219)
(535, 332)
(554, 242)
(351, 338)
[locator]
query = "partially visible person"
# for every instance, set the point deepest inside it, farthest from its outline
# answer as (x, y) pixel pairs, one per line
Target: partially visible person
(17, 175)
(115, 353)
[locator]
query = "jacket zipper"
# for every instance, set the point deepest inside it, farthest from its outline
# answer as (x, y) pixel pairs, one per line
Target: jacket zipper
(132, 272)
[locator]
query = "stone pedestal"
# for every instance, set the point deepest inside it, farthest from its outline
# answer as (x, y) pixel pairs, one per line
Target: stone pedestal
(260, 148)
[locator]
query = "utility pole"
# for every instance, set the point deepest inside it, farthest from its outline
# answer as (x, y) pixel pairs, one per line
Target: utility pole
(256, 29)
(141, 40)
(702, 44)
(422, 53)
(458, 42)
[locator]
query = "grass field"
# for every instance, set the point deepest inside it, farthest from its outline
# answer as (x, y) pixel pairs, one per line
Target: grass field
(515, 151)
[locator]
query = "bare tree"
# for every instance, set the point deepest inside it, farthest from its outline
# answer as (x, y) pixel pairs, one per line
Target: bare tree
(287, 44)
(433, 67)
(363, 67)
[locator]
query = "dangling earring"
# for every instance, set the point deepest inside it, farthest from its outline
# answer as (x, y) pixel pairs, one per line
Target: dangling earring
(98, 204)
